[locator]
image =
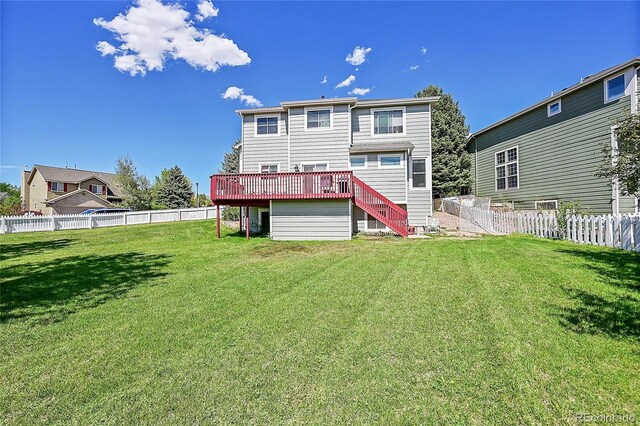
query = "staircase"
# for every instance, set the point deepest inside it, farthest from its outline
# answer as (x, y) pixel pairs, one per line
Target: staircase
(380, 207)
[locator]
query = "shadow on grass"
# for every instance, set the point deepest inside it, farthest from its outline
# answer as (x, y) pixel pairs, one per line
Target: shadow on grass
(613, 311)
(52, 290)
(11, 251)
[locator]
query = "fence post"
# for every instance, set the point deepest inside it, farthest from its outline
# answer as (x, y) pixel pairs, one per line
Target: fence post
(149, 217)
(53, 223)
(636, 235)
(3, 226)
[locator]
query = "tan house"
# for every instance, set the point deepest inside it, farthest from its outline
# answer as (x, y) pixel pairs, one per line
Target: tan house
(60, 190)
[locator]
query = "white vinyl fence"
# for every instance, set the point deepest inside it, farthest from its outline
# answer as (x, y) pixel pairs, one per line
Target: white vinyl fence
(12, 224)
(619, 231)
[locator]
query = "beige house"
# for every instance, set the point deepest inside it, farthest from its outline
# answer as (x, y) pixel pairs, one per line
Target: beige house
(60, 190)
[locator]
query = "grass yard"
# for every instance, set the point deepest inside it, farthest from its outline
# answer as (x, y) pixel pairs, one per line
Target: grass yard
(165, 324)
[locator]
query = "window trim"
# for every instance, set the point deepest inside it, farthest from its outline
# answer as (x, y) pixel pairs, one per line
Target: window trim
(546, 201)
(551, 114)
(318, 129)
(506, 162)
(255, 125)
(606, 88)
(268, 164)
(404, 122)
(426, 173)
(58, 185)
(314, 163)
(400, 166)
(358, 156)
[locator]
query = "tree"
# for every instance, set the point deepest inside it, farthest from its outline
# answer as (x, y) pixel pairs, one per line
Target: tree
(175, 191)
(451, 163)
(231, 164)
(12, 203)
(622, 161)
(136, 189)
(204, 201)
(155, 189)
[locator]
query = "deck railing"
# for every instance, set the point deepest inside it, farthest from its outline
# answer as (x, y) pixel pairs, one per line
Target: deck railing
(280, 186)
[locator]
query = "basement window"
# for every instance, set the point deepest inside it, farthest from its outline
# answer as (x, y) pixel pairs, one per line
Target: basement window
(546, 205)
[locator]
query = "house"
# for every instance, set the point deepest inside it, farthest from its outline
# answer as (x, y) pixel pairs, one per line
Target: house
(328, 168)
(60, 190)
(549, 152)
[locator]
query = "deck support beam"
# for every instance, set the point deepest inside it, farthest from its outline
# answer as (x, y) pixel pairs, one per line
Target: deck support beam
(218, 221)
(246, 225)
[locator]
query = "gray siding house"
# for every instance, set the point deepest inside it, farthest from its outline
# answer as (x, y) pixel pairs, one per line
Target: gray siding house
(549, 152)
(329, 168)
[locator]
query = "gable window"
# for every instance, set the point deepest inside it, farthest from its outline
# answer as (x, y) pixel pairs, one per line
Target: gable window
(507, 169)
(388, 121)
(96, 189)
(546, 205)
(267, 125)
(269, 168)
(390, 160)
(419, 173)
(319, 167)
(358, 162)
(57, 186)
(554, 108)
(614, 88)
(318, 118)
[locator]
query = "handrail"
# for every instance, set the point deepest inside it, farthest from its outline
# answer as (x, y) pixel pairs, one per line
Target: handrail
(380, 207)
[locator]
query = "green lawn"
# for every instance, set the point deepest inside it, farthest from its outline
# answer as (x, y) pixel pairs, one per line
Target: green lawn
(165, 324)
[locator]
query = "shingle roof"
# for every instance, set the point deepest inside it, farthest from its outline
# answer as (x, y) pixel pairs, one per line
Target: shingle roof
(381, 147)
(63, 174)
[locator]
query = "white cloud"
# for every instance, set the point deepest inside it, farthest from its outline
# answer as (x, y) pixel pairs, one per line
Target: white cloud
(206, 9)
(3, 166)
(347, 82)
(324, 80)
(423, 50)
(105, 48)
(150, 32)
(359, 91)
(414, 67)
(234, 92)
(358, 56)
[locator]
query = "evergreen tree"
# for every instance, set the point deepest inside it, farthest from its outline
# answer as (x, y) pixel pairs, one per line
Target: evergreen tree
(175, 191)
(231, 162)
(136, 189)
(451, 163)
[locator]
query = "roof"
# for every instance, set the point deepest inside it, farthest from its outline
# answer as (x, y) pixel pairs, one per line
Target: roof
(338, 101)
(3, 195)
(63, 174)
(381, 147)
(583, 83)
(73, 193)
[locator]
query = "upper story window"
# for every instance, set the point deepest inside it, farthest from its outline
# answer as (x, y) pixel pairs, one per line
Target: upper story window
(390, 160)
(318, 167)
(57, 186)
(389, 121)
(267, 125)
(507, 169)
(269, 168)
(614, 88)
(319, 118)
(419, 173)
(358, 162)
(554, 108)
(96, 189)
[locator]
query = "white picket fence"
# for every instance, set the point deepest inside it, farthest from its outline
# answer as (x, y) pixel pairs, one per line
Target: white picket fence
(13, 224)
(619, 231)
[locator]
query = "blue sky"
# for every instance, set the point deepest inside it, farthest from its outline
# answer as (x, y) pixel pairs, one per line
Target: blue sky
(62, 102)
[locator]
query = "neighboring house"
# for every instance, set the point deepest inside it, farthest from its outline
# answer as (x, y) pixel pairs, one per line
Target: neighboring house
(328, 168)
(549, 152)
(60, 190)
(3, 195)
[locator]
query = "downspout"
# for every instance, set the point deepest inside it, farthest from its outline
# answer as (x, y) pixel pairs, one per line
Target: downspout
(475, 164)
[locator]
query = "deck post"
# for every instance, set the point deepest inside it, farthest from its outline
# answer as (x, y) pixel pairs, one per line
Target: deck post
(246, 225)
(218, 221)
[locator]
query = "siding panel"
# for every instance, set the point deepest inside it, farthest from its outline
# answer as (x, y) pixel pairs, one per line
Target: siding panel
(258, 150)
(311, 220)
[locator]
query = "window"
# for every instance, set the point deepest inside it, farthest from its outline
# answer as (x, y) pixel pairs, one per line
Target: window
(507, 169)
(554, 108)
(358, 162)
(419, 173)
(320, 167)
(57, 186)
(267, 125)
(269, 168)
(614, 88)
(318, 118)
(390, 160)
(546, 205)
(96, 189)
(388, 122)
